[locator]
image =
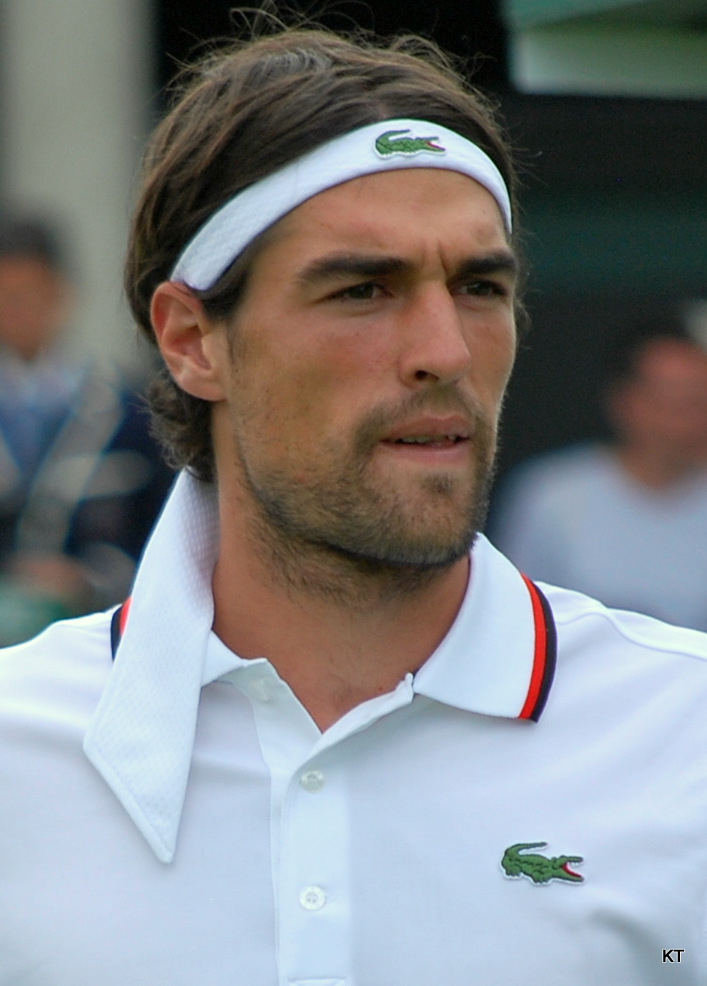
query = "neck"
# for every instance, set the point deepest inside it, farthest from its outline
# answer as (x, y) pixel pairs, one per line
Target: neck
(655, 471)
(338, 629)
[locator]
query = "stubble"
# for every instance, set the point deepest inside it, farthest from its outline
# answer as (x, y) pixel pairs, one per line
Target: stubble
(341, 531)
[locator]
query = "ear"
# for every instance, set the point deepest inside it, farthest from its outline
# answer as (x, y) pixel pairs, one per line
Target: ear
(193, 346)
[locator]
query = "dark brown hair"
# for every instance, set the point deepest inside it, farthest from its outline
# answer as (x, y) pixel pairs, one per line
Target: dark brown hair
(244, 112)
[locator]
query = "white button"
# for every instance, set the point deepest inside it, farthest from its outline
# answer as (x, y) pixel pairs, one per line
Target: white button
(313, 780)
(312, 898)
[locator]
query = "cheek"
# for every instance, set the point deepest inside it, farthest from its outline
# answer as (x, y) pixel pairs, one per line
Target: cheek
(327, 370)
(288, 402)
(493, 359)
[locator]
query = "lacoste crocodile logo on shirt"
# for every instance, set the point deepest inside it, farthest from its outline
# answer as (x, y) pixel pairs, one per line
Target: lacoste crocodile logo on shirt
(518, 862)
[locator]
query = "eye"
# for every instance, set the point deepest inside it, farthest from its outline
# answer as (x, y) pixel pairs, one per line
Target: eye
(482, 288)
(365, 291)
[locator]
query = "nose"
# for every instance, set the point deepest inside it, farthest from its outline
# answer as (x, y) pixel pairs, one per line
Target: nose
(434, 346)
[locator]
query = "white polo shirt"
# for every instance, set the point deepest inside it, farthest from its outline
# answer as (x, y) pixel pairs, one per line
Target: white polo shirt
(175, 817)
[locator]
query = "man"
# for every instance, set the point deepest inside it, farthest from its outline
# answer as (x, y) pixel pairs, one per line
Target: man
(604, 518)
(320, 754)
(81, 479)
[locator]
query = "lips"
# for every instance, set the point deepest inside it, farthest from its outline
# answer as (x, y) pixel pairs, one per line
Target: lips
(430, 432)
(429, 441)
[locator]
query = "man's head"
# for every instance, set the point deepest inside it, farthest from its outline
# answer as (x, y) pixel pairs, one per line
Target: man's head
(656, 395)
(34, 289)
(243, 115)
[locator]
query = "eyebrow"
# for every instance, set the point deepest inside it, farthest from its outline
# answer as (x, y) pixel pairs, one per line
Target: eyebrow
(498, 262)
(351, 265)
(342, 265)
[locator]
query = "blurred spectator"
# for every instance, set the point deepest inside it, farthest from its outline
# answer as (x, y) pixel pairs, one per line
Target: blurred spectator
(625, 522)
(81, 480)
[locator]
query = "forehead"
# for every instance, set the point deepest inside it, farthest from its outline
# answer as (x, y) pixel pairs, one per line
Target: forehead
(672, 361)
(21, 267)
(409, 209)
(27, 279)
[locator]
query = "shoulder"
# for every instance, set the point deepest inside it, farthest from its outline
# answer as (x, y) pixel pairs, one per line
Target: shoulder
(575, 612)
(609, 648)
(59, 673)
(536, 495)
(626, 709)
(569, 465)
(550, 480)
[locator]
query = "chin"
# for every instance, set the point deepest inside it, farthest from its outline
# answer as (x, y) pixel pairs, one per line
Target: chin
(393, 546)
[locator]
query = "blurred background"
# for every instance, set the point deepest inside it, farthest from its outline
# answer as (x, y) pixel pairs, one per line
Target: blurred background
(605, 100)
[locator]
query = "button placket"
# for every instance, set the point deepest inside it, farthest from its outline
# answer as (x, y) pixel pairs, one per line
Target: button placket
(314, 894)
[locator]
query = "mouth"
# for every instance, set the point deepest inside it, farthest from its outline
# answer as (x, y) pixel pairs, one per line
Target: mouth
(431, 430)
(430, 438)
(445, 451)
(571, 873)
(428, 441)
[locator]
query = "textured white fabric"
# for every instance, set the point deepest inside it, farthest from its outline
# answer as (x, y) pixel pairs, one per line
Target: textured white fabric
(144, 727)
(369, 854)
(229, 230)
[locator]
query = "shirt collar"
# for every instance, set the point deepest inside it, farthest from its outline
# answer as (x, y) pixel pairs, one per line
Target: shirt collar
(496, 660)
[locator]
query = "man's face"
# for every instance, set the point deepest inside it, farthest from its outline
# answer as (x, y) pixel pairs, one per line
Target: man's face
(33, 301)
(369, 360)
(662, 409)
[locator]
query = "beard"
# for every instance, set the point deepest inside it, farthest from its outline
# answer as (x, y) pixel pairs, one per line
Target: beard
(341, 523)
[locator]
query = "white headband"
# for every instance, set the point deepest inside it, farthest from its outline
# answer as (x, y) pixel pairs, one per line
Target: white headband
(386, 146)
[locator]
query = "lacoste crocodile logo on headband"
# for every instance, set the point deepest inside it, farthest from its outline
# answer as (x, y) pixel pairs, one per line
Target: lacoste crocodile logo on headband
(392, 142)
(518, 862)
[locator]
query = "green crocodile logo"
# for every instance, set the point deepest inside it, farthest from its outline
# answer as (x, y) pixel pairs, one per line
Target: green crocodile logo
(392, 142)
(518, 862)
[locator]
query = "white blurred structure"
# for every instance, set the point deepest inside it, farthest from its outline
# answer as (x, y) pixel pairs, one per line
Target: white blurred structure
(649, 48)
(76, 85)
